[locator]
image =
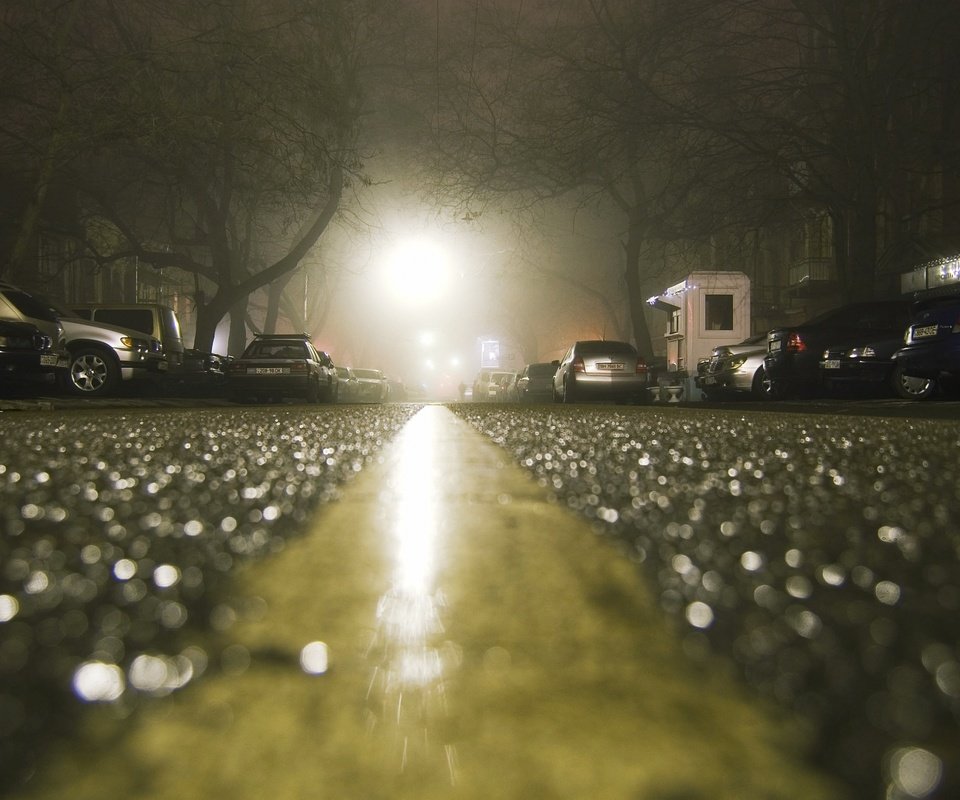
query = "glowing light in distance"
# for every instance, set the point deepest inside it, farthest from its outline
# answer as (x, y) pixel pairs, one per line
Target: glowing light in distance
(416, 272)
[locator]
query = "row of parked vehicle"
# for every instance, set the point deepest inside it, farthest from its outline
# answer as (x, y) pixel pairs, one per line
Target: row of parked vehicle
(911, 348)
(591, 369)
(283, 365)
(81, 351)
(93, 349)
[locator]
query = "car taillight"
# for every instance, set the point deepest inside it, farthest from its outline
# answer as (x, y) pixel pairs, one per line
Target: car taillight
(298, 366)
(795, 343)
(641, 367)
(577, 365)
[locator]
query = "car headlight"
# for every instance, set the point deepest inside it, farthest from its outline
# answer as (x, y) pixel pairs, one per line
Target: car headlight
(737, 363)
(134, 344)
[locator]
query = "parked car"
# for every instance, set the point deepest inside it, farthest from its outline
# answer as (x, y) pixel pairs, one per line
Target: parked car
(862, 366)
(478, 391)
(489, 388)
(734, 369)
(792, 363)
(154, 319)
(20, 305)
(601, 370)
(506, 387)
(201, 374)
(25, 350)
(397, 391)
(535, 382)
(101, 356)
(348, 387)
(282, 365)
(372, 385)
(930, 357)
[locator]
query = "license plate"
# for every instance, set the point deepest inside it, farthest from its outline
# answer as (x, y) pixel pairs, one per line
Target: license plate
(49, 361)
(609, 365)
(832, 363)
(926, 330)
(774, 345)
(163, 366)
(708, 380)
(270, 370)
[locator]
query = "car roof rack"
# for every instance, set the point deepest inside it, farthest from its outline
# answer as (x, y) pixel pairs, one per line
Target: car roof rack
(281, 336)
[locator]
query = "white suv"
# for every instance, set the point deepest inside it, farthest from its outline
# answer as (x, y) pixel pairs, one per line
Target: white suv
(101, 356)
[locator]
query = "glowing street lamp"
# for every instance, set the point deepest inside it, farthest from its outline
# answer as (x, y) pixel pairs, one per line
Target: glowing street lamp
(416, 273)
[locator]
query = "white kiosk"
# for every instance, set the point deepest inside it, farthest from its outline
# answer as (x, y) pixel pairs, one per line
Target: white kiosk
(705, 310)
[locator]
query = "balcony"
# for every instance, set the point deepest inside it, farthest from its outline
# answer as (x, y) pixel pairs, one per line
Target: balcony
(811, 275)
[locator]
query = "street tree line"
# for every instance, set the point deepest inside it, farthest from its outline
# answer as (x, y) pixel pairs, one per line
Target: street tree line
(216, 137)
(223, 137)
(711, 124)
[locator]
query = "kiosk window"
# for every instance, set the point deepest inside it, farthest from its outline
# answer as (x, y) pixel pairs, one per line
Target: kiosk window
(718, 314)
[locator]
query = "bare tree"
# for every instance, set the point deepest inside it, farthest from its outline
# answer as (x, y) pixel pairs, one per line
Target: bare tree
(851, 104)
(225, 133)
(580, 97)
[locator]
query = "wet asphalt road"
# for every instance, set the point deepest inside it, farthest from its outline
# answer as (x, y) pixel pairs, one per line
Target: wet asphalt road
(817, 554)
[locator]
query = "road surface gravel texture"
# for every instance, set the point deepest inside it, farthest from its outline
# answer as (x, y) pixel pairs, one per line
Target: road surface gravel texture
(342, 602)
(821, 554)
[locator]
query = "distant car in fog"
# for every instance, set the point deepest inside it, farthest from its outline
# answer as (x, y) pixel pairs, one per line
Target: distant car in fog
(598, 369)
(491, 385)
(348, 387)
(535, 382)
(372, 385)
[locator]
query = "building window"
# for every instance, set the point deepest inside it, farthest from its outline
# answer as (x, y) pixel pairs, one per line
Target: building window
(675, 321)
(718, 314)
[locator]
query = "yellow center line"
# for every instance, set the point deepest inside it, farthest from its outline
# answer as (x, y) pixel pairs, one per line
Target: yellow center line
(474, 641)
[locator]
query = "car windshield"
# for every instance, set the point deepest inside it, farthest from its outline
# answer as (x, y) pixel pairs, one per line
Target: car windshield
(368, 373)
(36, 306)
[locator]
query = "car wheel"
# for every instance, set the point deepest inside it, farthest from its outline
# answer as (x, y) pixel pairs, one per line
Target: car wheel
(771, 389)
(913, 388)
(92, 373)
(568, 392)
(757, 388)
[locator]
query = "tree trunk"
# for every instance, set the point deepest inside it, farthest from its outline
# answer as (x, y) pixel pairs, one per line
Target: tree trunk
(862, 252)
(227, 296)
(635, 299)
(274, 297)
(237, 340)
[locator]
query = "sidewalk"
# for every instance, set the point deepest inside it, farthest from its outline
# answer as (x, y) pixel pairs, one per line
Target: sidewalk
(465, 639)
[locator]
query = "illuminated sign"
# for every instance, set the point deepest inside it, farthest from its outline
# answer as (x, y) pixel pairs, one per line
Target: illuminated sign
(489, 353)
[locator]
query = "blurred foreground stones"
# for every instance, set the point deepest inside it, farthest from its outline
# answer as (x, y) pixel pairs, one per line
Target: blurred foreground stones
(821, 554)
(119, 532)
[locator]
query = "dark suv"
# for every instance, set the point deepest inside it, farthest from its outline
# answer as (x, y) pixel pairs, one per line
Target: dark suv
(279, 365)
(930, 356)
(792, 363)
(26, 350)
